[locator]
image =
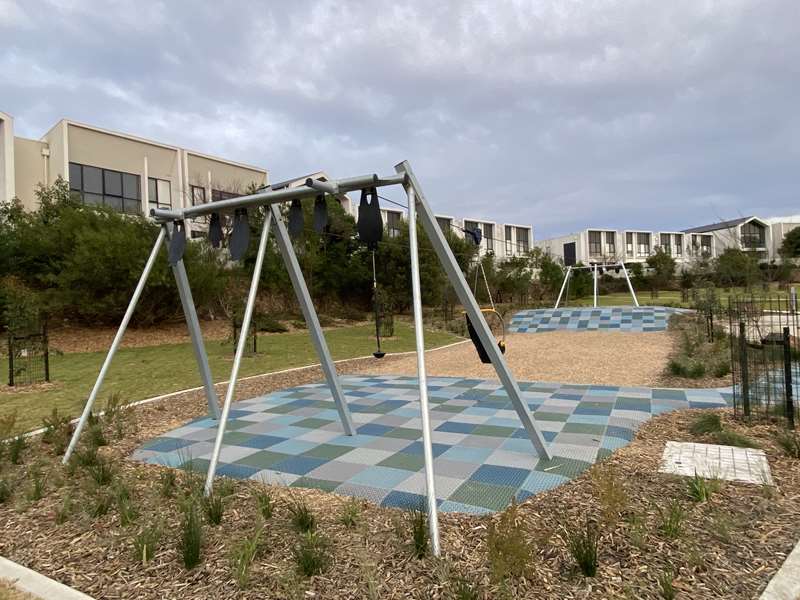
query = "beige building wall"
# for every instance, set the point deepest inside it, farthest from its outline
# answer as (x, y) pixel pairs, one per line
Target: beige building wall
(6, 157)
(56, 140)
(30, 169)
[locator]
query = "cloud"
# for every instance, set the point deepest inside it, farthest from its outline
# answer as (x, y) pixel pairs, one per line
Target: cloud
(560, 113)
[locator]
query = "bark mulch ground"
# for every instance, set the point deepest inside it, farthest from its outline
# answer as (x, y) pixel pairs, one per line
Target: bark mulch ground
(726, 547)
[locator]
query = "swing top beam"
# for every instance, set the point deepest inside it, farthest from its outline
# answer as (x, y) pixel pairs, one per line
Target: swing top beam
(269, 196)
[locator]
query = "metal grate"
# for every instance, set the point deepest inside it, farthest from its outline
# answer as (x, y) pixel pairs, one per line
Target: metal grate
(28, 358)
(765, 356)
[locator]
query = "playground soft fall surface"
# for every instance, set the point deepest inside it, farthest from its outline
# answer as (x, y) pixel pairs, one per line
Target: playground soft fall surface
(727, 546)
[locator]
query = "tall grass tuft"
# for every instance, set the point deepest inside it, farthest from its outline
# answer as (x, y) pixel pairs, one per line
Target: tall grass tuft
(214, 508)
(243, 555)
(508, 547)
(672, 519)
(263, 503)
(5, 491)
(102, 472)
(15, 449)
(303, 520)
(38, 480)
(610, 492)
(419, 532)
(706, 423)
(582, 543)
(727, 437)
(350, 513)
(146, 542)
(666, 586)
(789, 443)
(128, 512)
(168, 483)
(191, 536)
(312, 554)
(700, 489)
(57, 431)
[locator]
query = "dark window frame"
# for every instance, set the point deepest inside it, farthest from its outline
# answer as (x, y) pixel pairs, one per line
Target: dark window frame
(595, 243)
(523, 241)
(101, 193)
(158, 203)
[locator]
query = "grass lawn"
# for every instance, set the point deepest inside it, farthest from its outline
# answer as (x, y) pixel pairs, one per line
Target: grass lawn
(138, 373)
(665, 298)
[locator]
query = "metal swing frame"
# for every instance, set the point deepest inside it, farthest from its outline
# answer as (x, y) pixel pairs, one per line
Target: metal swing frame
(595, 268)
(418, 208)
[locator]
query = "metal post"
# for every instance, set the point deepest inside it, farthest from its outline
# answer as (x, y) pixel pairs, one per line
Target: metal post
(115, 344)
(193, 323)
(10, 359)
(563, 286)
(448, 262)
(310, 315)
(787, 376)
(427, 447)
(46, 344)
(595, 285)
(743, 368)
(237, 359)
(630, 285)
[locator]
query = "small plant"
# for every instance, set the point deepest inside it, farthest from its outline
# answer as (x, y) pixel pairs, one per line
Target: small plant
(242, 557)
(722, 369)
(727, 437)
(672, 519)
(102, 504)
(507, 543)
(610, 492)
(303, 519)
(96, 437)
(582, 544)
(86, 456)
(312, 554)
(38, 480)
(462, 589)
(5, 491)
(168, 483)
(102, 472)
(15, 448)
(214, 508)
(116, 414)
(789, 442)
(700, 489)
(64, 511)
(57, 431)
(191, 536)
(706, 423)
(146, 542)
(638, 532)
(264, 504)
(128, 513)
(7, 423)
(722, 527)
(666, 586)
(225, 488)
(419, 532)
(351, 513)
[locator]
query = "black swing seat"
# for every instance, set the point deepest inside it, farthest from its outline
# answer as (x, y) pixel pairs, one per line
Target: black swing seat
(476, 340)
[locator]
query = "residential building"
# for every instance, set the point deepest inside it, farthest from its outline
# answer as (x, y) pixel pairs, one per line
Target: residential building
(747, 233)
(122, 171)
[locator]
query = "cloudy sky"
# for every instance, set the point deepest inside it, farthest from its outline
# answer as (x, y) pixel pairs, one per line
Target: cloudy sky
(652, 114)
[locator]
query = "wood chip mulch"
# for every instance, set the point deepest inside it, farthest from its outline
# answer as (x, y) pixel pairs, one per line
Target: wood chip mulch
(729, 546)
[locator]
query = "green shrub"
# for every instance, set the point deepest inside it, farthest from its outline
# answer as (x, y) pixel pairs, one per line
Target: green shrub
(789, 442)
(264, 504)
(102, 504)
(242, 557)
(509, 550)
(270, 325)
(672, 519)
(214, 508)
(351, 513)
(146, 542)
(582, 543)
(303, 519)
(86, 456)
(128, 512)
(722, 369)
(5, 491)
(96, 436)
(706, 423)
(727, 437)
(191, 536)
(38, 480)
(15, 449)
(312, 554)
(102, 472)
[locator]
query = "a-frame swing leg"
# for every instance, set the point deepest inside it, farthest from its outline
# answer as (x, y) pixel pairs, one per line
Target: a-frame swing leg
(563, 286)
(474, 313)
(310, 315)
(87, 409)
(630, 285)
(192, 322)
(237, 359)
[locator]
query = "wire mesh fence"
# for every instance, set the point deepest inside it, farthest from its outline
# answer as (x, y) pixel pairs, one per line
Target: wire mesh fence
(765, 356)
(28, 358)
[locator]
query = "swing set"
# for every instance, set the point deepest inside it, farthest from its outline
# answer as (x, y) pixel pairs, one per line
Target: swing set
(173, 229)
(597, 270)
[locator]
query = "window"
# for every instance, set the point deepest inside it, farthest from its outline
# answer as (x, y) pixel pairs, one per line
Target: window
(523, 241)
(611, 243)
(666, 243)
(595, 243)
(509, 243)
(678, 240)
(217, 195)
(488, 235)
(105, 187)
(629, 243)
(753, 236)
(643, 244)
(705, 245)
(393, 223)
(444, 224)
(159, 193)
(198, 195)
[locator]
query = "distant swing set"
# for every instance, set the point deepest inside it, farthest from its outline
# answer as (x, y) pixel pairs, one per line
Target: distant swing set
(596, 269)
(173, 230)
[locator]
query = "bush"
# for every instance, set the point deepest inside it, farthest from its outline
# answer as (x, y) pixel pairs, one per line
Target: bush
(102, 472)
(303, 519)
(731, 438)
(707, 423)
(191, 536)
(312, 554)
(270, 325)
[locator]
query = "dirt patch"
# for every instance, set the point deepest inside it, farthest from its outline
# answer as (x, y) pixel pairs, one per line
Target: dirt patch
(596, 357)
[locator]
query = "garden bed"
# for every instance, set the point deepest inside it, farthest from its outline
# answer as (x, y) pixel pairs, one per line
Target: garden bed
(653, 538)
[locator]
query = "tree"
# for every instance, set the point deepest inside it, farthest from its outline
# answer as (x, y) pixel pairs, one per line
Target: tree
(551, 274)
(736, 267)
(663, 268)
(790, 247)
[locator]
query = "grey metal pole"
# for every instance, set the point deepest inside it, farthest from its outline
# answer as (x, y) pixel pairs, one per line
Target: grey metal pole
(448, 262)
(595, 286)
(563, 286)
(241, 345)
(87, 409)
(193, 323)
(419, 335)
(630, 285)
(310, 315)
